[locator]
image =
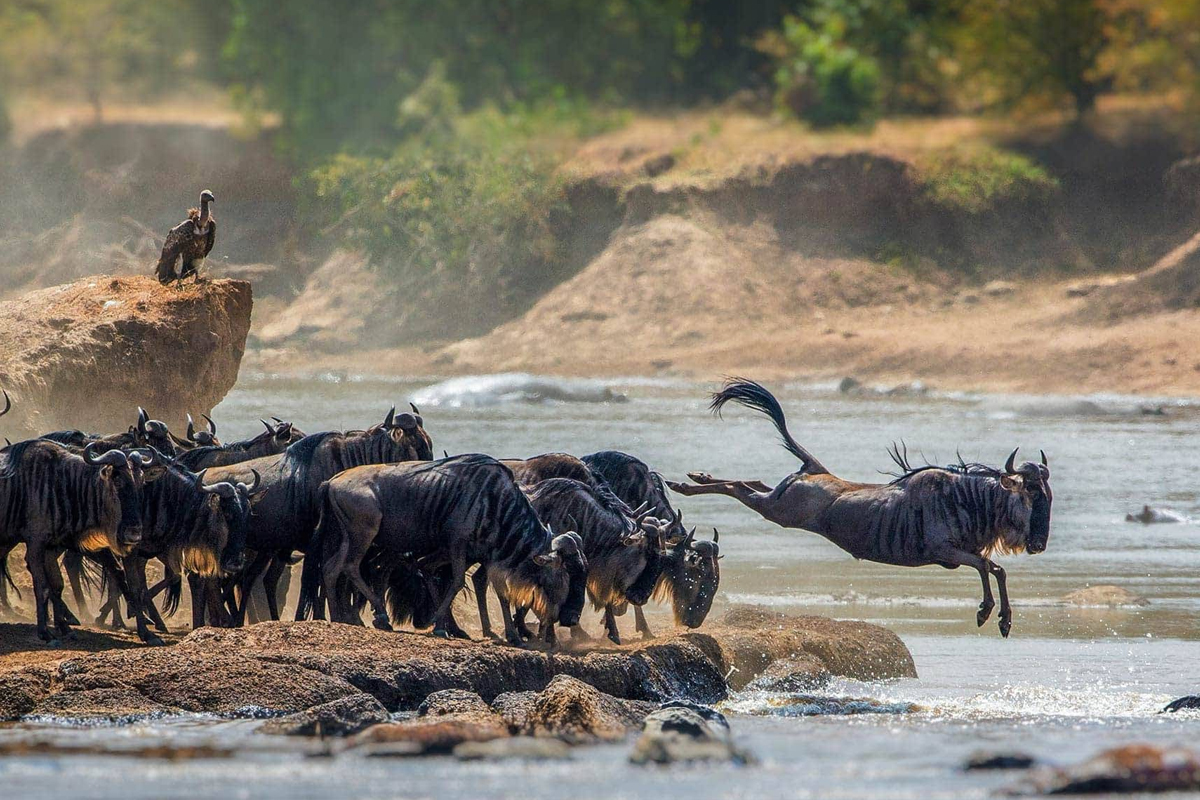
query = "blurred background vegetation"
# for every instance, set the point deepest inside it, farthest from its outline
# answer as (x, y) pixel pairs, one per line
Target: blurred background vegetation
(433, 133)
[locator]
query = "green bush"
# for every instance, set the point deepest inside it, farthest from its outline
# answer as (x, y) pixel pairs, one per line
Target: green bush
(823, 79)
(977, 179)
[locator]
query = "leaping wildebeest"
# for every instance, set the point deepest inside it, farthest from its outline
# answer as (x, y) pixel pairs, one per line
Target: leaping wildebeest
(952, 516)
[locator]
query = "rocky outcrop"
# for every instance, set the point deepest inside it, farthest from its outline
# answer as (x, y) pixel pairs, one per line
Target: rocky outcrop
(86, 354)
(284, 667)
(681, 732)
(1131, 769)
(342, 717)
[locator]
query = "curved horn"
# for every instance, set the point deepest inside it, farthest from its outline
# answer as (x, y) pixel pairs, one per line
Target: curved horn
(716, 535)
(223, 488)
(191, 429)
(691, 537)
(266, 425)
(252, 488)
(7, 403)
(111, 458)
(391, 415)
(143, 418)
(149, 456)
(1045, 463)
(1008, 465)
(277, 420)
(413, 406)
(212, 426)
(7, 442)
(445, 453)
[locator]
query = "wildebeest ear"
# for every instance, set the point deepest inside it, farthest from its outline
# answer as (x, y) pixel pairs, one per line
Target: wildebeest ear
(1012, 482)
(547, 560)
(106, 472)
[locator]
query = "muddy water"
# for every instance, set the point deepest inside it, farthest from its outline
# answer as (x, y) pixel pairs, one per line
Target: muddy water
(1070, 680)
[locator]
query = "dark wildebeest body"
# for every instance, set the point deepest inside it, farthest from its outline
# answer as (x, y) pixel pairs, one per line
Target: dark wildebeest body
(193, 528)
(273, 441)
(949, 516)
(52, 499)
(286, 515)
(146, 433)
(532, 471)
(622, 555)
(458, 511)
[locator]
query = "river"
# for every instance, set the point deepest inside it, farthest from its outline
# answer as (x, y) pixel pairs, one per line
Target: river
(1068, 682)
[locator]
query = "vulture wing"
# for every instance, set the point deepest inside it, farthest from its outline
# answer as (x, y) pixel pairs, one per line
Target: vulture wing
(212, 236)
(177, 239)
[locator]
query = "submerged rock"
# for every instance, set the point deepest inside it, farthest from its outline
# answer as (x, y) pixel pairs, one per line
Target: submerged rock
(86, 354)
(800, 674)
(681, 733)
(1184, 703)
(989, 761)
(527, 748)
(342, 717)
(472, 391)
(1151, 516)
(571, 710)
(1135, 768)
(1104, 595)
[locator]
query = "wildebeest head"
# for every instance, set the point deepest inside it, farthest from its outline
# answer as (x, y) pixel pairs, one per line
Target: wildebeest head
(566, 553)
(203, 438)
(283, 432)
(691, 575)
(1031, 481)
(236, 501)
(122, 475)
(407, 431)
(153, 433)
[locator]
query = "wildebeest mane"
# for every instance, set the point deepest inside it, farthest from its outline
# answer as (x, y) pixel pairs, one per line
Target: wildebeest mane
(899, 454)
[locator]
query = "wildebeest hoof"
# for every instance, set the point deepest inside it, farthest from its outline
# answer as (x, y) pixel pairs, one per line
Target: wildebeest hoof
(70, 618)
(985, 611)
(1005, 624)
(162, 627)
(441, 633)
(701, 477)
(614, 637)
(382, 623)
(153, 641)
(515, 640)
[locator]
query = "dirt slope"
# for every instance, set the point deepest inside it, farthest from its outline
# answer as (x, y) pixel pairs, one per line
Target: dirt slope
(86, 354)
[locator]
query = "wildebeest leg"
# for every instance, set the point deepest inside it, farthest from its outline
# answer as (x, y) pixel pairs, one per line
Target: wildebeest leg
(444, 624)
(548, 635)
(271, 583)
(980, 564)
(73, 563)
(642, 626)
(510, 630)
(35, 562)
(5, 605)
(704, 478)
(135, 574)
(1005, 608)
(610, 625)
(748, 493)
(61, 613)
(479, 581)
(246, 584)
(578, 633)
(199, 590)
(522, 628)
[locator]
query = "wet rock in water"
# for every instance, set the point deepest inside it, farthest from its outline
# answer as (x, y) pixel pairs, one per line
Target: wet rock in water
(342, 717)
(990, 761)
(22, 690)
(43, 748)
(514, 708)
(1153, 516)
(800, 674)
(1184, 703)
(1104, 596)
(682, 733)
(999, 288)
(110, 702)
(453, 701)
(576, 712)
(528, 748)
(808, 705)
(432, 735)
(1135, 768)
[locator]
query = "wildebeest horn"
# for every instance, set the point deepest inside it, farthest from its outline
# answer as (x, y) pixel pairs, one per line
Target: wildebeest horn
(278, 420)
(413, 406)
(112, 458)
(1009, 468)
(266, 425)
(7, 403)
(391, 415)
(223, 488)
(690, 537)
(149, 456)
(1045, 463)
(143, 418)
(212, 426)
(7, 442)
(716, 535)
(191, 429)
(446, 453)
(252, 488)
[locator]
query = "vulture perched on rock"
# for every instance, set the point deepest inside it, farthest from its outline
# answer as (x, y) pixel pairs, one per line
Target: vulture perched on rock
(191, 240)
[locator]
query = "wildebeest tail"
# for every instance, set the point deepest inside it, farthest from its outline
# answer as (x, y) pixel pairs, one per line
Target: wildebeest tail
(409, 596)
(6, 577)
(756, 396)
(174, 593)
(329, 542)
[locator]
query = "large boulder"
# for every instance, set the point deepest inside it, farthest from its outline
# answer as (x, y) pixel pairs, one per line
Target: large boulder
(681, 732)
(577, 713)
(86, 354)
(1130, 769)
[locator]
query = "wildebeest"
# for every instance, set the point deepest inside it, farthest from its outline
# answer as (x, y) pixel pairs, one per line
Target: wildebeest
(639, 486)
(622, 551)
(193, 528)
(531, 471)
(950, 516)
(273, 441)
(53, 499)
(286, 516)
(146, 432)
(197, 438)
(455, 512)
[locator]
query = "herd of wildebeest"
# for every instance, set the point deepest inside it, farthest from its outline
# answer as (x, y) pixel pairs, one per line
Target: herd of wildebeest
(382, 525)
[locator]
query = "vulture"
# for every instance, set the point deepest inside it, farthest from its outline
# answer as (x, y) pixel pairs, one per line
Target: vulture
(191, 240)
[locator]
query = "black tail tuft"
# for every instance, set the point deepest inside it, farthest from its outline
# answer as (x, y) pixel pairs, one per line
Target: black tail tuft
(170, 604)
(409, 596)
(756, 396)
